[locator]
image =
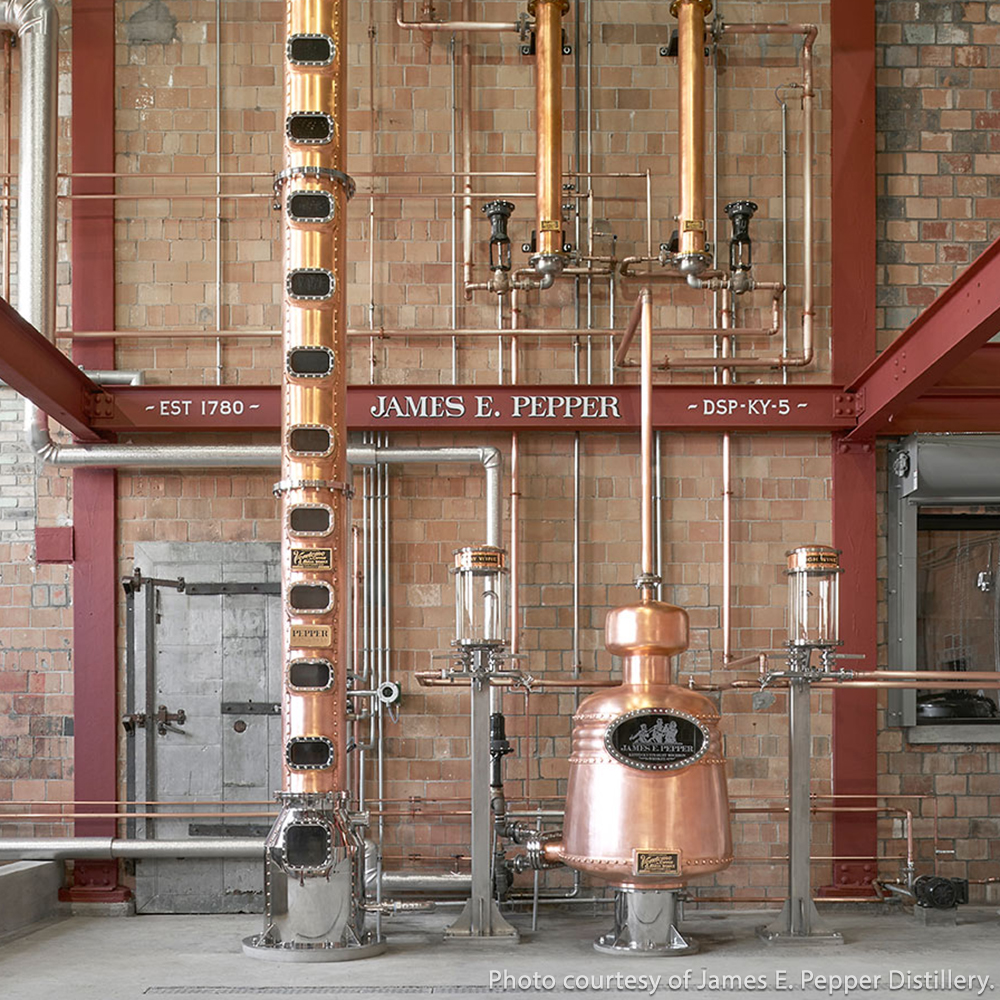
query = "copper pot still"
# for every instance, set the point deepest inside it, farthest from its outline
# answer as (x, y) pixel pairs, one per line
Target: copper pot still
(647, 806)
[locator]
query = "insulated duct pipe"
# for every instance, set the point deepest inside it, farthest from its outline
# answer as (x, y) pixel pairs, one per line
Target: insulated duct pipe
(110, 848)
(36, 24)
(693, 256)
(548, 260)
(255, 456)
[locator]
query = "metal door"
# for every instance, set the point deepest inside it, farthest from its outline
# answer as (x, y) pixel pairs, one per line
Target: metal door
(207, 628)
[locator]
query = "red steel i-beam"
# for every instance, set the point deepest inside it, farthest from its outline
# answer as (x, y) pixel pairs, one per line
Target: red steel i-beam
(95, 594)
(852, 227)
(959, 321)
(39, 371)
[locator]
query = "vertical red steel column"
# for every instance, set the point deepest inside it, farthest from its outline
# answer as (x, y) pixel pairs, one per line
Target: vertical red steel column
(95, 592)
(852, 94)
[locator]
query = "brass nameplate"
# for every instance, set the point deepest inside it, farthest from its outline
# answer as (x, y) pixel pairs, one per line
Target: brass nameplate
(657, 863)
(311, 636)
(312, 558)
(551, 226)
(694, 225)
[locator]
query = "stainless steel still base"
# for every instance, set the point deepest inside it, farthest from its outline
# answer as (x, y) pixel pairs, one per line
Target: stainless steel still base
(645, 926)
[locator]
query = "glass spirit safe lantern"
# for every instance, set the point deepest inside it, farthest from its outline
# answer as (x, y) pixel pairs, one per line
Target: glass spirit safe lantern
(480, 595)
(813, 596)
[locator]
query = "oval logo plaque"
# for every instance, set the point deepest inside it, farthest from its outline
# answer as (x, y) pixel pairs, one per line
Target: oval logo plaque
(656, 739)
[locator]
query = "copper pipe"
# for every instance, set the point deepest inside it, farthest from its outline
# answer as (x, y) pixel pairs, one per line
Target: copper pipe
(456, 27)
(548, 130)
(969, 675)
(693, 257)
(237, 196)
(727, 547)
(645, 306)
(381, 333)
(465, 75)
(314, 468)
(808, 31)
(781, 899)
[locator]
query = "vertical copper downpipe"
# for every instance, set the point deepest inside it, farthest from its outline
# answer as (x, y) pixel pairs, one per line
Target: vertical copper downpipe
(648, 579)
(313, 454)
(692, 257)
(548, 14)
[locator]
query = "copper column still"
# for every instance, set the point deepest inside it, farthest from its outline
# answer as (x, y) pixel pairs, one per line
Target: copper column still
(646, 807)
(549, 259)
(693, 256)
(314, 908)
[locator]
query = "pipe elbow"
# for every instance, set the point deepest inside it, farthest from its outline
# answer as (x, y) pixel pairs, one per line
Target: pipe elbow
(491, 458)
(23, 15)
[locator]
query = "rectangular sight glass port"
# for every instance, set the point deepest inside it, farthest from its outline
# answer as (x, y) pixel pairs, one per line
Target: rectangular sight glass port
(310, 440)
(309, 362)
(310, 520)
(309, 753)
(307, 845)
(311, 128)
(310, 597)
(310, 283)
(310, 675)
(310, 50)
(311, 206)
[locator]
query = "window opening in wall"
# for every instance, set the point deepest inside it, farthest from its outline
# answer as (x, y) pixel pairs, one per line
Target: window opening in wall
(958, 610)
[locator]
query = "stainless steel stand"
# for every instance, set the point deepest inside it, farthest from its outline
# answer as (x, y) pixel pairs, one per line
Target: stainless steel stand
(480, 919)
(645, 926)
(799, 920)
(314, 885)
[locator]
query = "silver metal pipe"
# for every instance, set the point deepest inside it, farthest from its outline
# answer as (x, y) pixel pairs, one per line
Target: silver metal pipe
(426, 882)
(115, 376)
(109, 848)
(218, 194)
(36, 24)
(254, 456)
(784, 231)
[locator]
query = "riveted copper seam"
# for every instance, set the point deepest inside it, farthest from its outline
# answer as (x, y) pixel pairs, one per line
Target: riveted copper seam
(691, 66)
(318, 402)
(548, 149)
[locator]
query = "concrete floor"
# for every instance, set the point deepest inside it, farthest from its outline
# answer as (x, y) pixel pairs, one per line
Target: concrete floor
(89, 958)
